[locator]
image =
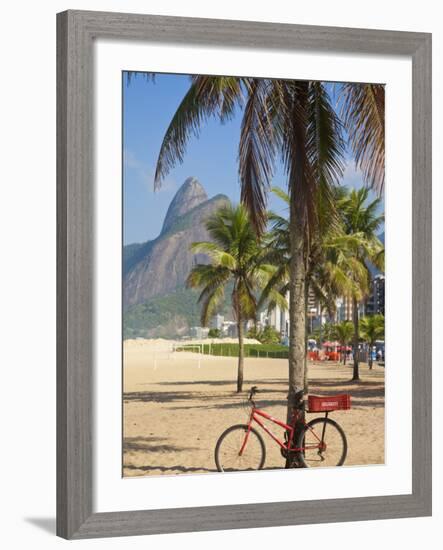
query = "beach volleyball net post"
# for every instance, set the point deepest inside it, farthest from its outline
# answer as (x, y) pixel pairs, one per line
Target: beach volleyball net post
(161, 353)
(193, 348)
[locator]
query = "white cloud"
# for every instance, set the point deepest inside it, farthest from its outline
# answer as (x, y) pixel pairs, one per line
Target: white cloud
(353, 179)
(352, 176)
(145, 173)
(129, 160)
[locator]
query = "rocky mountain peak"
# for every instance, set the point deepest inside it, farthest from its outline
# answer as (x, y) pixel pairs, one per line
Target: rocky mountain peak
(161, 266)
(190, 195)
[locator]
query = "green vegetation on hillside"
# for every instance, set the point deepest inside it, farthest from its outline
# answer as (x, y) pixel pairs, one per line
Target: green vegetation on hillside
(162, 316)
(166, 316)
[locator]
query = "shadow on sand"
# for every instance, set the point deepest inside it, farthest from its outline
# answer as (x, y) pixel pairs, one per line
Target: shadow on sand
(152, 445)
(168, 469)
(367, 393)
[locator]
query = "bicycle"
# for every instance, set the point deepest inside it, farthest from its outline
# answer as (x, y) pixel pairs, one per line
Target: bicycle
(241, 447)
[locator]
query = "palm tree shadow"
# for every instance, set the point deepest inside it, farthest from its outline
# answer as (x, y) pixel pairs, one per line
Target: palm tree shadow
(45, 524)
(152, 445)
(169, 469)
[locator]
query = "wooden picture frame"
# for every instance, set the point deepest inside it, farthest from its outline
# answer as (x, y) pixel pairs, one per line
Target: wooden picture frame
(76, 32)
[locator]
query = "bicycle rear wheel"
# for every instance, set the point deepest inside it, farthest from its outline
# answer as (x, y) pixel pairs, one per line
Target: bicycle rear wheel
(324, 444)
(229, 445)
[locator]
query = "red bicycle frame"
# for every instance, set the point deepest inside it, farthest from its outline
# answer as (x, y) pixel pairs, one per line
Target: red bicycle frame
(255, 417)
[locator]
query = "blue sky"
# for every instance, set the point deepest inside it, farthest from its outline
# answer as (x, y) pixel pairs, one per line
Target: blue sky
(147, 110)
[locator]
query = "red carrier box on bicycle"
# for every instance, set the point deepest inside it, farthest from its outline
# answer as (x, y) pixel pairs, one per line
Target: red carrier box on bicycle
(332, 403)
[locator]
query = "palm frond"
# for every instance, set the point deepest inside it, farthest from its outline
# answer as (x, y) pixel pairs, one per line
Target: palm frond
(244, 300)
(326, 149)
(257, 151)
(275, 283)
(148, 76)
(207, 275)
(280, 193)
(301, 181)
(213, 251)
(344, 331)
(372, 328)
(210, 301)
(363, 111)
(207, 96)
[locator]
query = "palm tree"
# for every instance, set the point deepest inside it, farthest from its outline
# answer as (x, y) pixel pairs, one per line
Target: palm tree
(322, 276)
(323, 332)
(343, 332)
(234, 257)
(326, 332)
(372, 328)
(329, 261)
(361, 220)
(295, 121)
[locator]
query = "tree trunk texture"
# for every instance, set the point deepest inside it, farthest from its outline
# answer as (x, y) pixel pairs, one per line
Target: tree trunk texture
(305, 375)
(355, 373)
(297, 324)
(241, 354)
(299, 192)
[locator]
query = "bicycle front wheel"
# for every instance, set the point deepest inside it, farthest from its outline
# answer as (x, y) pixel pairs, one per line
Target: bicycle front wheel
(237, 451)
(323, 444)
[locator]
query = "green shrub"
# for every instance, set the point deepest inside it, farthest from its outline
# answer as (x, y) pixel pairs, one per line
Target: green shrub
(275, 351)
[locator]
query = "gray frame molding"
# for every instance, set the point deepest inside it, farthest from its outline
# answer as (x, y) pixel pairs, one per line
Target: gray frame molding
(76, 31)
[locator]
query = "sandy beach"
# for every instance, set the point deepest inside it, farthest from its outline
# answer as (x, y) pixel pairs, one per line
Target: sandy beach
(176, 405)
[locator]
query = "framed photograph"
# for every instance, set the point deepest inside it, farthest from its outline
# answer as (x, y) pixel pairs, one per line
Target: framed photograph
(244, 274)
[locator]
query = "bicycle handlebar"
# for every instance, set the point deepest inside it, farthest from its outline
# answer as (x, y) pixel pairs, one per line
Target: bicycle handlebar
(299, 402)
(252, 392)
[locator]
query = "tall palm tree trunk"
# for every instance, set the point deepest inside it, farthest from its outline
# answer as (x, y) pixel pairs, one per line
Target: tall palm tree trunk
(355, 374)
(297, 315)
(241, 354)
(297, 324)
(305, 375)
(343, 352)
